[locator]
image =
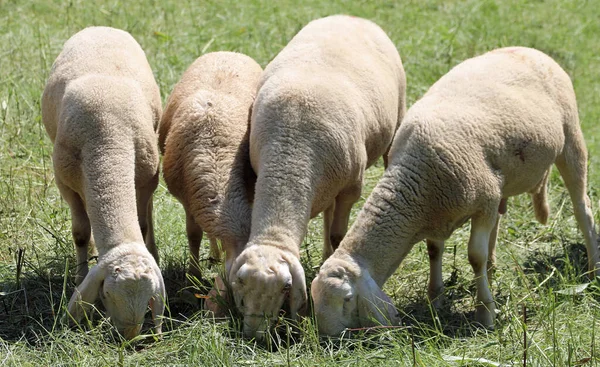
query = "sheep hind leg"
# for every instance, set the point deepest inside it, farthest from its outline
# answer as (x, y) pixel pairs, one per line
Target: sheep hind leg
(194, 235)
(327, 222)
(572, 167)
(435, 289)
(386, 158)
(215, 251)
(341, 215)
(144, 209)
(491, 262)
(81, 229)
(481, 229)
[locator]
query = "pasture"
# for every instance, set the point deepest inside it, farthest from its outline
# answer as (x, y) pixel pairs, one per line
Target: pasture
(549, 313)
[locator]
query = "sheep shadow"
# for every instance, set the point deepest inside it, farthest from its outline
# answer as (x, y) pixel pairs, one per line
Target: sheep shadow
(454, 318)
(570, 261)
(34, 305)
(31, 302)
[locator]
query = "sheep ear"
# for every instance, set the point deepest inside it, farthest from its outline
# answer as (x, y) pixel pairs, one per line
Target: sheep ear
(374, 306)
(86, 293)
(298, 297)
(157, 302)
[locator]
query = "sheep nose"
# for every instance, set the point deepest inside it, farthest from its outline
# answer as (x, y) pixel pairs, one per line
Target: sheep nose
(131, 332)
(255, 327)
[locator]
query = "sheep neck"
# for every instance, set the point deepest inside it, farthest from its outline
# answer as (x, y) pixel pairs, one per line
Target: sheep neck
(386, 228)
(282, 203)
(109, 186)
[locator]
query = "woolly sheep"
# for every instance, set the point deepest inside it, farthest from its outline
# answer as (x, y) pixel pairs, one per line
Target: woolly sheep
(327, 107)
(101, 107)
(489, 129)
(206, 161)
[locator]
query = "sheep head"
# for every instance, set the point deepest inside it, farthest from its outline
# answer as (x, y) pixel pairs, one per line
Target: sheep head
(263, 278)
(345, 296)
(127, 280)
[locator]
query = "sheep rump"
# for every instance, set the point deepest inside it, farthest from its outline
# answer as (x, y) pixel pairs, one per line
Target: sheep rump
(206, 161)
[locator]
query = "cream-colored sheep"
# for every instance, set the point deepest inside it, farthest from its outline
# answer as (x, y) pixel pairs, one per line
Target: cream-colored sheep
(101, 107)
(327, 108)
(489, 129)
(206, 161)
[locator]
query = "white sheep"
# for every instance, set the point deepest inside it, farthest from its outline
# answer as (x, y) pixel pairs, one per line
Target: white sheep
(327, 108)
(101, 107)
(206, 162)
(489, 129)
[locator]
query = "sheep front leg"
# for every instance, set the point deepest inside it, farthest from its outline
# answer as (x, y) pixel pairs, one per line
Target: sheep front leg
(435, 290)
(481, 229)
(81, 228)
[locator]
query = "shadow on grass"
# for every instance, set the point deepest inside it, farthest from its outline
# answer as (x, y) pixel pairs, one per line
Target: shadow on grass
(34, 306)
(568, 263)
(29, 305)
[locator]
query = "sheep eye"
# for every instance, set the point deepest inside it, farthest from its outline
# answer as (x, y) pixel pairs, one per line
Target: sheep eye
(347, 299)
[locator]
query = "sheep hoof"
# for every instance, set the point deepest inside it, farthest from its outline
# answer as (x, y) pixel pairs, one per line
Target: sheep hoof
(485, 314)
(437, 302)
(436, 297)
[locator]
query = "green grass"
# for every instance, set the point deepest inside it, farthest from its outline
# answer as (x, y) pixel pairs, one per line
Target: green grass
(534, 261)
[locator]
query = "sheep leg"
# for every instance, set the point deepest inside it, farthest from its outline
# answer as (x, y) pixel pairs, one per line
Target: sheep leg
(327, 222)
(341, 215)
(149, 236)
(481, 228)
(491, 262)
(144, 209)
(194, 234)
(435, 290)
(81, 229)
(386, 158)
(215, 251)
(572, 167)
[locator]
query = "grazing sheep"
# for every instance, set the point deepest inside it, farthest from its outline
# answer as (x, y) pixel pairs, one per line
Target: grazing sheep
(101, 107)
(327, 108)
(489, 129)
(206, 161)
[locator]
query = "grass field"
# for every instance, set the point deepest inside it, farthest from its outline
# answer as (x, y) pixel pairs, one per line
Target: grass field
(540, 268)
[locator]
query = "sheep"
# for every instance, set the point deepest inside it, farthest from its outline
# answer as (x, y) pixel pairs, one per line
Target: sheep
(206, 163)
(327, 108)
(488, 130)
(101, 108)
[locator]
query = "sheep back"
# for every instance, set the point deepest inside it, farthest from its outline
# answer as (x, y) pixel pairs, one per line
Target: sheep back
(205, 130)
(328, 105)
(98, 50)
